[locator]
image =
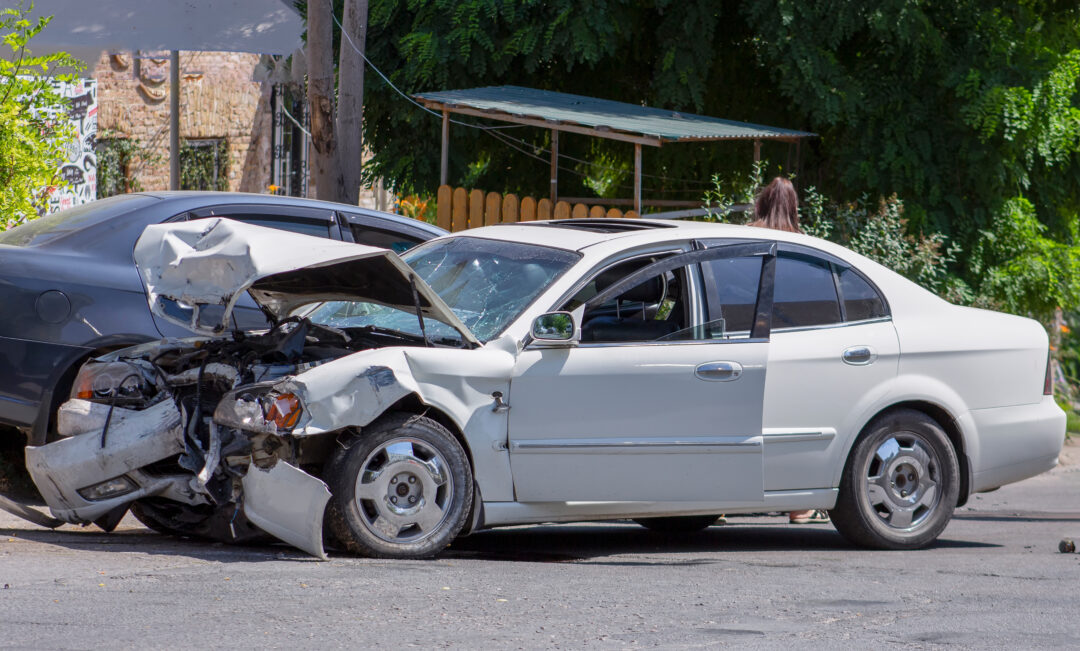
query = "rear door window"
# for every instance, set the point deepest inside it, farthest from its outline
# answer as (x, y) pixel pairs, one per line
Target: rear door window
(396, 242)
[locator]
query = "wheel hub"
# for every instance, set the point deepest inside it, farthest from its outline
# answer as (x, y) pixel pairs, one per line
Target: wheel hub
(404, 490)
(902, 481)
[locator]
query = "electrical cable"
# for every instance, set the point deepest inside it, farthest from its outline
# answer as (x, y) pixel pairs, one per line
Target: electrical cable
(491, 129)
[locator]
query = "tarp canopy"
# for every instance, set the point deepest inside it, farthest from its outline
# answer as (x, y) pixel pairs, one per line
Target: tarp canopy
(598, 117)
(85, 29)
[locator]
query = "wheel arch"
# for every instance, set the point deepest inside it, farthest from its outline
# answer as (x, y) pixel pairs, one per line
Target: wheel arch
(943, 417)
(414, 404)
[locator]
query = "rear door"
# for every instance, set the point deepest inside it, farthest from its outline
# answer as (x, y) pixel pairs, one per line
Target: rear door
(832, 351)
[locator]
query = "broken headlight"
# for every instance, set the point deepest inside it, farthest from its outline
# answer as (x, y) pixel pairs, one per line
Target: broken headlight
(259, 409)
(119, 383)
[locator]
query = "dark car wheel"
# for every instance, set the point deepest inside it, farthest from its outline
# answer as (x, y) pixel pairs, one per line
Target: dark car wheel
(203, 521)
(402, 489)
(900, 484)
(678, 524)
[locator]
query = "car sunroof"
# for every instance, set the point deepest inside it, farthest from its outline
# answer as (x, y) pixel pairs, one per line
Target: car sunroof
(606, 225)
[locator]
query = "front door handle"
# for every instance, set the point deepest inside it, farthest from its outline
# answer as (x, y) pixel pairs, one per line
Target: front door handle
(859, 355)
(719, 371)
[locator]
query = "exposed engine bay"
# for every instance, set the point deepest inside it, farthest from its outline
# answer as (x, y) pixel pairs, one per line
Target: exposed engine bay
(174, 428)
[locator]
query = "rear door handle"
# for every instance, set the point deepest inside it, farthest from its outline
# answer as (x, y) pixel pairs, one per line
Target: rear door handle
(859, 355)
(719, 371)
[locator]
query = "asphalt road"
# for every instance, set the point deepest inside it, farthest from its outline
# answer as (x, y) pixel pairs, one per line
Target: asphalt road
(995, 579)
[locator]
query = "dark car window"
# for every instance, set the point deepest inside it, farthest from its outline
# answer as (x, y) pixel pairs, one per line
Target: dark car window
(318, 228)
(396, 242)
(50, 227)
(733, 287)
(804, 294)
(861, 300)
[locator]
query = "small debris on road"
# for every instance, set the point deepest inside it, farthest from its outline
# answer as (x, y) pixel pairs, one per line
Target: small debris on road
(1066, 546)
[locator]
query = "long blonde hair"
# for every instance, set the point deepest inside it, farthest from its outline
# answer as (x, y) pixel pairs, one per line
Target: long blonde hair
(777, 207)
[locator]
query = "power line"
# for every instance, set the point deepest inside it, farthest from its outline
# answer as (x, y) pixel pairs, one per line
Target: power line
(491, 129)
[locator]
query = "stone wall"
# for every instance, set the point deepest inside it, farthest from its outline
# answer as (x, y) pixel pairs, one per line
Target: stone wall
(218, 99)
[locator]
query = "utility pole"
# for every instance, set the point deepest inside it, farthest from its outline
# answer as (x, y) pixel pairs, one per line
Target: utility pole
(350, 123)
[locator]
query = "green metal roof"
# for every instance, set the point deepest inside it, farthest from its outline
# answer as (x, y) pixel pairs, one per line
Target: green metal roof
(606, 118)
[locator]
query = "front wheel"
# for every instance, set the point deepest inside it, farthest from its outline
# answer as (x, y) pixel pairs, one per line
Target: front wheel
(402, 489)
(900, 484)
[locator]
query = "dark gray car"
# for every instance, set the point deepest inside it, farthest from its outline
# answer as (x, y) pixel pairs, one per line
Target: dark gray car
(69, 288)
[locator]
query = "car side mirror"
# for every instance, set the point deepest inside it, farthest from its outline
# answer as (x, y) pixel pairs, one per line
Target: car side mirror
(554, 329)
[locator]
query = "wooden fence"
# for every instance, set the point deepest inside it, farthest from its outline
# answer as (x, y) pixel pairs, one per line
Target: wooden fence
(458, 209)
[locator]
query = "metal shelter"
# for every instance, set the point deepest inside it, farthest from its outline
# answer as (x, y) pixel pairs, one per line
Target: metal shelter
(591, 116)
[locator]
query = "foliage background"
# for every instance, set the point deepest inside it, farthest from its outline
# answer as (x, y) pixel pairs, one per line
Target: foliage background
(34, 129)
(956, 123)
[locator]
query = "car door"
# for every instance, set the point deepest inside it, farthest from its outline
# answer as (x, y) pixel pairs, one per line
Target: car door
(675, 418)
(832, 350)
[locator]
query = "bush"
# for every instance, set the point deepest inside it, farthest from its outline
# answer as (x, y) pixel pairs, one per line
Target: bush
(34, 127)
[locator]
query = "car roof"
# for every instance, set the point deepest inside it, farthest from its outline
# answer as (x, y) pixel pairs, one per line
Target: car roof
(203, 197)
(581, 234)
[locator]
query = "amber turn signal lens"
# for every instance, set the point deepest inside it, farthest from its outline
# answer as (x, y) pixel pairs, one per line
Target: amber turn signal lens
(284, 411)
(84, 386)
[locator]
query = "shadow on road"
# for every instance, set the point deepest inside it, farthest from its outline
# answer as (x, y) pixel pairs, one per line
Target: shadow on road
(565, 543)
(576, 542)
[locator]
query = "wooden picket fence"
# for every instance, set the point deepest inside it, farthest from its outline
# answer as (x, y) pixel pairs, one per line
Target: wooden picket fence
(458, 209)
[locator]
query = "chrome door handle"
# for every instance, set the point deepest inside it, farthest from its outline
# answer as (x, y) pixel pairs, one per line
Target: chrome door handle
(719, 371)
(859, 356)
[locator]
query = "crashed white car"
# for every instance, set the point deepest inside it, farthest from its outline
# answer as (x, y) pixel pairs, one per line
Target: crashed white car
(545, 372)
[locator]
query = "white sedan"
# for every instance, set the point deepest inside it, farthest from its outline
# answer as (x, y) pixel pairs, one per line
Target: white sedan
(545, 372)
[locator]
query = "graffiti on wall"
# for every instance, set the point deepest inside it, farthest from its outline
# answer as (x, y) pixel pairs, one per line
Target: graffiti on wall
(79, 167)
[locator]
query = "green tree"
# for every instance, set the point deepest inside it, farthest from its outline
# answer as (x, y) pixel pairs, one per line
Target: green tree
(963, 110)
(34, 128)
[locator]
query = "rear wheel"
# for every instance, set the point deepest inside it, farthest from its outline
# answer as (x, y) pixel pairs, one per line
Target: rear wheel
(403, 489)
(900, 484)
(678, 524)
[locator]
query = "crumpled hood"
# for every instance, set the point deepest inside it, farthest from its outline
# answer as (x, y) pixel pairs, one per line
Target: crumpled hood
(194, 272)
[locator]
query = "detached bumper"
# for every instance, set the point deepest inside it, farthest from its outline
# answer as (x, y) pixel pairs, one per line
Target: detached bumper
(135, 439)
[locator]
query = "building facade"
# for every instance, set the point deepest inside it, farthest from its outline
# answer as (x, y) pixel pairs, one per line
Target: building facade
(238, 134)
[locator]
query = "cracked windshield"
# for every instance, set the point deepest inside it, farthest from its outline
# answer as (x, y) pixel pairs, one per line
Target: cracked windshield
(487, 284)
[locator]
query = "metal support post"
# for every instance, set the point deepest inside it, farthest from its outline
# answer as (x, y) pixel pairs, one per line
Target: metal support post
(174, 120)
(554, 166)
(444, 172)
(637, 178)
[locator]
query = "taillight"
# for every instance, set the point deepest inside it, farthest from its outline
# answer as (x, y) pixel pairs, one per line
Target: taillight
(1048, 383)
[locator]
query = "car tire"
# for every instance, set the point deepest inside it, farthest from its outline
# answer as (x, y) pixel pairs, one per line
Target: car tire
(900, 483)
(201, 522)
(681, 524)
(403, 488)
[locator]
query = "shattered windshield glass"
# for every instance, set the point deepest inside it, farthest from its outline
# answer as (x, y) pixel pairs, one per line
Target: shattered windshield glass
(487, 283)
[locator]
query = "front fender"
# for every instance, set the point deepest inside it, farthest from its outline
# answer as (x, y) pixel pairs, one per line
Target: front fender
(354, 391)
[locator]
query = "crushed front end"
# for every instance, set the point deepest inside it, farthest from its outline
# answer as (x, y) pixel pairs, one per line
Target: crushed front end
(194, 437)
